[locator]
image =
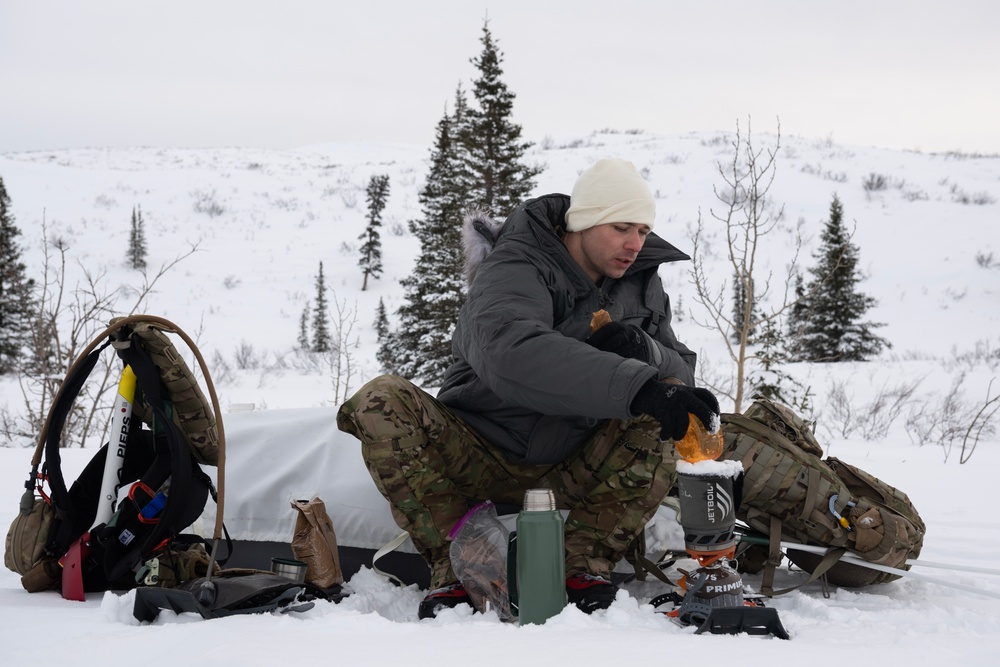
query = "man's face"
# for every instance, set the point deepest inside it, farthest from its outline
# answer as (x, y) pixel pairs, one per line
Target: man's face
(606, 251)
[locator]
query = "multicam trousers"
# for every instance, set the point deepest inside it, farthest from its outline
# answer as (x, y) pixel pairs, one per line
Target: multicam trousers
(431, 468)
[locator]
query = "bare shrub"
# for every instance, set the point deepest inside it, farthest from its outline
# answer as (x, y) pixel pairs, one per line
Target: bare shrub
(913, 194)
(717, 140)
(960, 196)
(842, 420)
(885, 408)
(207, 202)
(744, 220)
(981, 424)
(222, 370)
(105, 201)
(952, 419)
(875, 183)
(341, 361)
(64, 322)
(246, 358)
(872, 420)
(826, 174)
(983, 353)
(290, 204)
(986, 260)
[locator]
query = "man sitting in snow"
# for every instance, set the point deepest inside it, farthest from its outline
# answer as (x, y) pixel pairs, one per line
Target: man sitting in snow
(534, 399)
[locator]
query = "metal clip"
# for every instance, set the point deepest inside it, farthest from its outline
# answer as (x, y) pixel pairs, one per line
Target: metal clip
(149, 573)
(841, 520)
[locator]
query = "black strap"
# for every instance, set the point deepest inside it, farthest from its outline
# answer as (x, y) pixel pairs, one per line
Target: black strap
(60, 411)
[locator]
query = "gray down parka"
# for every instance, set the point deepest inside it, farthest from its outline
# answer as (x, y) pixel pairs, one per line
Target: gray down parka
(522, 376)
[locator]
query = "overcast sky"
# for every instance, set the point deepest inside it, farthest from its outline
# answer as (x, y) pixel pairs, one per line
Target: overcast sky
(914, 74)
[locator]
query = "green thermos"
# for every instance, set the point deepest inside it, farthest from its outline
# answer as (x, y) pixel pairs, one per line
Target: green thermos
(541, 558)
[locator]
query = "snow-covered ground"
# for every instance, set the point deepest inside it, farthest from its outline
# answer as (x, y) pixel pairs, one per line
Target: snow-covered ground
(928, 243)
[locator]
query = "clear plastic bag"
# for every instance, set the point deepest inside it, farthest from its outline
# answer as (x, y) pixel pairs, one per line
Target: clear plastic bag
(479, 558)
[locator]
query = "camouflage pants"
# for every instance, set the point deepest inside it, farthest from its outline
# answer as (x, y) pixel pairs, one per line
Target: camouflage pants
(431, 467)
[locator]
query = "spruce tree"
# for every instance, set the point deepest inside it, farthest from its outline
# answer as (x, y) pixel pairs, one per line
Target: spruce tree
(371, 249)
(476, 162)
(741, 318)
(303, 339)
(386, 354)
(834, 330)
(435, 291)
(494, 151)
(798, 318)
(321, 341)
(768, 379)
(15, 290)
(137, 241)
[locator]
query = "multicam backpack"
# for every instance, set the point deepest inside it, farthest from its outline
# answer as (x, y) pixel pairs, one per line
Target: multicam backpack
(142, 534)
(791, 492)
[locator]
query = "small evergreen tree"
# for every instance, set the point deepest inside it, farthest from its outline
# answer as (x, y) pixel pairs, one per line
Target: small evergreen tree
(137, 241)
(833, 330)
(743, 319)
(386, 354)
(371, 249)
(303, 339)
(798, 317)
(767, 379)
(321, 341)
(493, 148)
(15, 291)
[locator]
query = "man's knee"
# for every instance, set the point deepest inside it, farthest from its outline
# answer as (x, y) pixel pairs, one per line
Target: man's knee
(384, 407)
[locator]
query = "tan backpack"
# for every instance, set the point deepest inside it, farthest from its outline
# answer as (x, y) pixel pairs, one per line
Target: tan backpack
(790, 492)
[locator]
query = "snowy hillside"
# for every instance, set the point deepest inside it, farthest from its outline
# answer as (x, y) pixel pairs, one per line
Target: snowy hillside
(262, 221)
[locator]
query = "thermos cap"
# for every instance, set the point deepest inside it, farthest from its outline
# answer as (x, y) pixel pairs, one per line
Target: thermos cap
(539, 500)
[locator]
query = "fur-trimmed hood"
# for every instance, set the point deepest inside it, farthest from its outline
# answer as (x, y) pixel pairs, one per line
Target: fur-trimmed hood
(479, 233)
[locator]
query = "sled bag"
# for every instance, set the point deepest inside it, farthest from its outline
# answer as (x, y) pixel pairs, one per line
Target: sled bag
(230, 592)
(791, 492)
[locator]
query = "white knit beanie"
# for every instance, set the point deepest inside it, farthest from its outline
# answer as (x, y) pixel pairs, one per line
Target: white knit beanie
(610, 191)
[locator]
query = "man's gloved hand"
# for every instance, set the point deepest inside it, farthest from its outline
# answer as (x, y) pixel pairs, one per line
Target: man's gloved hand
(670, 404)
(625, 340)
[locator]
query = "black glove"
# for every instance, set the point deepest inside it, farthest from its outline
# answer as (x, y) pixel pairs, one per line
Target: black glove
(625, 340)
(670, 404)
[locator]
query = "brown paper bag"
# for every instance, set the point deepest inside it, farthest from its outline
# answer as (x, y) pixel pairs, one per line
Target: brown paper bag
(315, 543)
